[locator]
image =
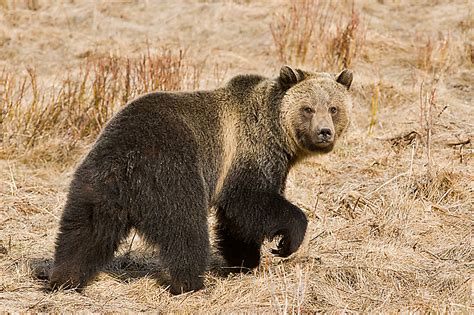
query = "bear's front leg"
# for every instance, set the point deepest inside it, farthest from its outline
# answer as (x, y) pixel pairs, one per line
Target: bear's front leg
(241, 254)
(246, 218)
(292, 234)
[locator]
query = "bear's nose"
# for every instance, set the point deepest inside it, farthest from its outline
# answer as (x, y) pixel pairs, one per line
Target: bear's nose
(325, 134)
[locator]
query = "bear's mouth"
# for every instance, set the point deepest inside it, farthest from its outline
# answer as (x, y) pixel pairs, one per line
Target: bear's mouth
(323, 143)
(321, 146)
(310, 144)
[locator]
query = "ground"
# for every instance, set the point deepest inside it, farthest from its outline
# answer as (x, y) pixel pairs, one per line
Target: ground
(390, 209)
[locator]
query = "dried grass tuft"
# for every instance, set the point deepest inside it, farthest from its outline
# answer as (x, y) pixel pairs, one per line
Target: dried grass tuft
(78, 106)
(321, 33)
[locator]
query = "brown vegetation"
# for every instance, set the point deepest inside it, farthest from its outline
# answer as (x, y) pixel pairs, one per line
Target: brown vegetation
(390, 210)
(314, 32)
(78, 107)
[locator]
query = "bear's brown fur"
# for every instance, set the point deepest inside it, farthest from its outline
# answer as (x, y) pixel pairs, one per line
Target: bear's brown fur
(168, 157)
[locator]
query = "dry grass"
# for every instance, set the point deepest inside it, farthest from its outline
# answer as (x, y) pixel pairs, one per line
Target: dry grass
(318, 33)
(390, 209)
(75, 109)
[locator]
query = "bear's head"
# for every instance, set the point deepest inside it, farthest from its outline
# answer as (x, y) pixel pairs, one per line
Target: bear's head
(314, 108)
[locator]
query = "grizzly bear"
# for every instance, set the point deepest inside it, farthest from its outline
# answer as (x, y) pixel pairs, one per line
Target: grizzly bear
(168, 157)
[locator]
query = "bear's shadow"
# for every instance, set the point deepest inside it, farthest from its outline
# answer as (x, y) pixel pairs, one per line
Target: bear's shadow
(128, 267)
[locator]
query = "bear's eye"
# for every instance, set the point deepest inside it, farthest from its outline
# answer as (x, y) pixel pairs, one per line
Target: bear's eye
(332, 110)
(308, 110)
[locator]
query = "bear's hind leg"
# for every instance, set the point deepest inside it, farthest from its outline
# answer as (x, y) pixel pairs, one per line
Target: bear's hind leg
(187, 257)
(184, 247)
(240, 255)
(87, 240)
(175, 219)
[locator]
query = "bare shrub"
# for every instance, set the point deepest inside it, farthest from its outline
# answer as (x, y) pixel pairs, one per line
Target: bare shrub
(318, 33)
(292, 30)
(434, 55)
(347, 42)
(79, 105)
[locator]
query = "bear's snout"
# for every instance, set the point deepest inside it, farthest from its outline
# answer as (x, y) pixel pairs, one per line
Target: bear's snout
(325, 135)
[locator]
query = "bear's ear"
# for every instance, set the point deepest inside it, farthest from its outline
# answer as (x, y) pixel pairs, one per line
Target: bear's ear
(345, 78)
(289, 76)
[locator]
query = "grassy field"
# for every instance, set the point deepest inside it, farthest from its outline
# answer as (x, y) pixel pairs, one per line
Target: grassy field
(390, 209)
